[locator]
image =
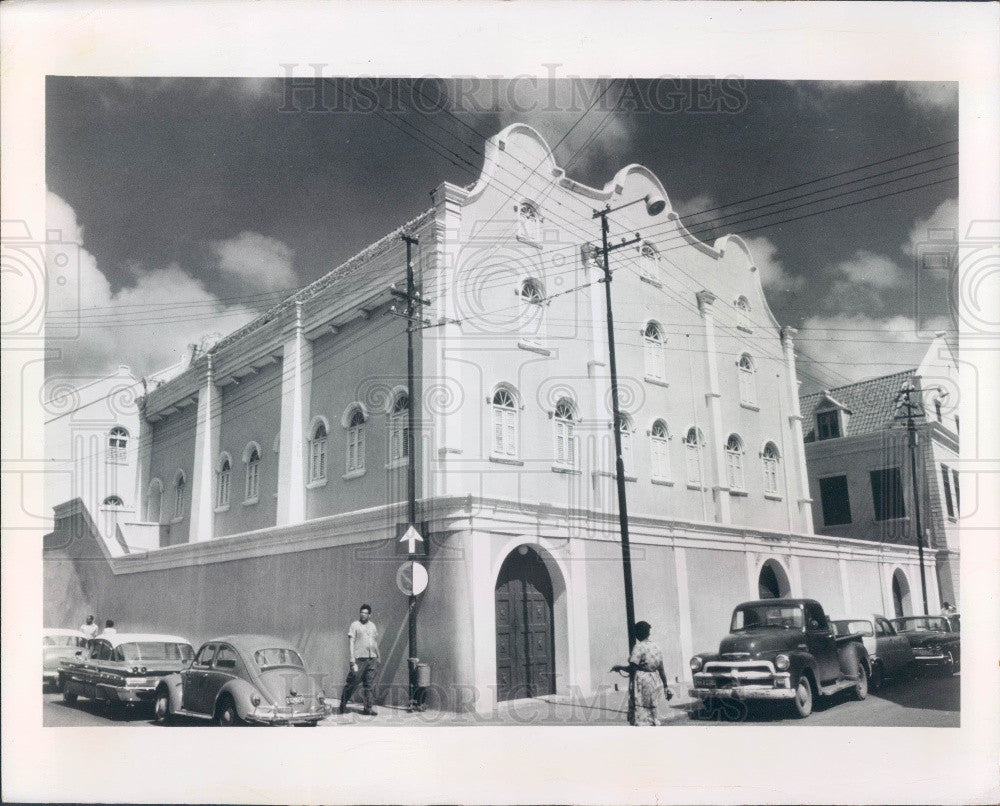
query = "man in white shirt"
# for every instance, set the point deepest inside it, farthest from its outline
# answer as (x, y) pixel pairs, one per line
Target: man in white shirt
(362, 645)
(90, 628)
(109, 628)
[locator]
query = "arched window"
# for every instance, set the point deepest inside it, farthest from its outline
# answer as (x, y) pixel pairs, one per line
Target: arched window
(626, 430)
(742, 306)
(504, 424)
(251, 487)
(653, 340)
(565, 436)
(529, 222)
(658, 452)
(113, 501)
(532, 297)
(154, 499)
(317, 452)
(117, 443)
(770, 457)
(399, 428)
(748, 380)
(734, 463)
(649, 261)
(356, 441)
(180, 494)
(222, 483)
(694, 441)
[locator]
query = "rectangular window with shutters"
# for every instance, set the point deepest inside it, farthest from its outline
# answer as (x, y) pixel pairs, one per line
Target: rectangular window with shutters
(958, 497)
(835, 500)
(565, 454)
(504, 432)
(887, 494)
(948, 502)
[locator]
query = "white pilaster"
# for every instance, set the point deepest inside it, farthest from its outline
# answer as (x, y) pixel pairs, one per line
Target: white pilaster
(845, 585)
(142, 467)
(296, 391)
(795, 420)
(206, 452)
(715, 437)
(684, 629)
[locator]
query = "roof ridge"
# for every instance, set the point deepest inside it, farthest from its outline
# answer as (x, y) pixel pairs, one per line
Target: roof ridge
(833, 389)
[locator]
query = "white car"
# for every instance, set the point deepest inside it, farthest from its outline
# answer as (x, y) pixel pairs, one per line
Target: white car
(58, 645)
(891, 654)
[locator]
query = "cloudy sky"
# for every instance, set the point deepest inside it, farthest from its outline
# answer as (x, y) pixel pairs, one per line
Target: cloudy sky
(196, 203)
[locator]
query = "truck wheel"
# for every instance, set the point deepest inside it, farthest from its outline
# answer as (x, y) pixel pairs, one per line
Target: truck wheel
(803, 702)
(161, 708)
(860, 691)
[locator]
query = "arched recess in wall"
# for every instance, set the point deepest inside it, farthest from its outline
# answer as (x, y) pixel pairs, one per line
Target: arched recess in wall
(531, 623)
(154, 501)
(772, 581)
(901, 600)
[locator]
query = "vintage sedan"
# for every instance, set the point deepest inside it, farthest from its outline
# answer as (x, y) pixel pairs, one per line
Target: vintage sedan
(240, 679)
(123, 669)
(890, 653)
(59, 645)
(936, 644)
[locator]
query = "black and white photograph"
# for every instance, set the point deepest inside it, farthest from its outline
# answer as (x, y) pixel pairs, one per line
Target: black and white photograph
(473, 409)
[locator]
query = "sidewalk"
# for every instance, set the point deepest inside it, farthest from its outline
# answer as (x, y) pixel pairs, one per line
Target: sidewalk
(604, 707)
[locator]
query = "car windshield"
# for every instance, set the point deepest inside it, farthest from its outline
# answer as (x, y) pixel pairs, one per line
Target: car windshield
(856, 627)
(920, 624)
(266, 658)
(754, 617)
(64, 640)
(154, 650)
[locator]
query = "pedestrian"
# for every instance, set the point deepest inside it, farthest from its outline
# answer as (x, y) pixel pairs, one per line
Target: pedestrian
(947, 609)
(109, 628)
(362, 651)
(89, 628)
(645, 664)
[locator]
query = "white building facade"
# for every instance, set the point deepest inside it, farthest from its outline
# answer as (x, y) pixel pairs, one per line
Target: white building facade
(273, 471)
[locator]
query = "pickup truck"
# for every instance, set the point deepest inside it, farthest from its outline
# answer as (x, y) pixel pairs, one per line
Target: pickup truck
(783, 651)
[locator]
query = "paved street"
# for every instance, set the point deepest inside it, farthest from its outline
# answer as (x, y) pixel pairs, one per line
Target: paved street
(924, 702)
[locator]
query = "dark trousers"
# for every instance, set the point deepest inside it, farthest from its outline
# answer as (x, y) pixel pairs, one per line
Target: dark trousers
(365, 677)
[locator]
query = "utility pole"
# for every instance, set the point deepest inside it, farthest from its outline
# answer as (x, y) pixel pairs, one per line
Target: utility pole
(413, 322)
(654, 205)
(905, 402)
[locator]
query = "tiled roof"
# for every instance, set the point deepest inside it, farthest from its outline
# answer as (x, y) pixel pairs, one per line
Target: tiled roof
(872, 404)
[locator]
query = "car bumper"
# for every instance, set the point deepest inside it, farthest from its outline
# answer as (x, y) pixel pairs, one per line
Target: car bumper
(931, 660)
(130, 694)
(743, 693)
(285, 718)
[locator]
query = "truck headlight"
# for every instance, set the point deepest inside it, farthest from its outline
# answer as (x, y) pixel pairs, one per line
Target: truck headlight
(696, 664)
(781, 663)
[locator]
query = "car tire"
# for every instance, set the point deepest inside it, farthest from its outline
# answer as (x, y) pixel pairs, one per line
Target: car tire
(69, 695)
(161, 708)
(802, 703)
(57, 684)
(860, 690)
(226, 715)
(877, 679)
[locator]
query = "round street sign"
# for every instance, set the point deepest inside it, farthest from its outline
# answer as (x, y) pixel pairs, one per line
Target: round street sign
(411, 578)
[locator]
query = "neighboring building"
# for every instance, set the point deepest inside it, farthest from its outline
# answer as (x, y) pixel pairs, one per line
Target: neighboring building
(91, 440)
(274, 469)
(857, 451)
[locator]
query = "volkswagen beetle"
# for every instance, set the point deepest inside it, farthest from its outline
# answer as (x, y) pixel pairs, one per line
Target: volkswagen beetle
(241, 679)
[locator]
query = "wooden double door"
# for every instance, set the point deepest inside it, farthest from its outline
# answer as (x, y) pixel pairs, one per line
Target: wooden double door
(525, 650)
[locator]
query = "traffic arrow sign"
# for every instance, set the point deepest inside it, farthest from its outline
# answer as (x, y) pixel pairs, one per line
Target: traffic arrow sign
(409, 540)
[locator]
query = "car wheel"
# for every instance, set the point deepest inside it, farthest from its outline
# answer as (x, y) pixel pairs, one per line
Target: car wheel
(57, 684)
(860, 690)
(803, 702)
(877, 679)
(227, 716)
(69, 695)
(161, 708)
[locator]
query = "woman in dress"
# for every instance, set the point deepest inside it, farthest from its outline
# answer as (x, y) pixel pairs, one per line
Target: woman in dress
(646, 662)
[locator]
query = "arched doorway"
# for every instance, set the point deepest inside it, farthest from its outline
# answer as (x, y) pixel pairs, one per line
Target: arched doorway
(772, 583)
(524, 627)
(900, 594)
